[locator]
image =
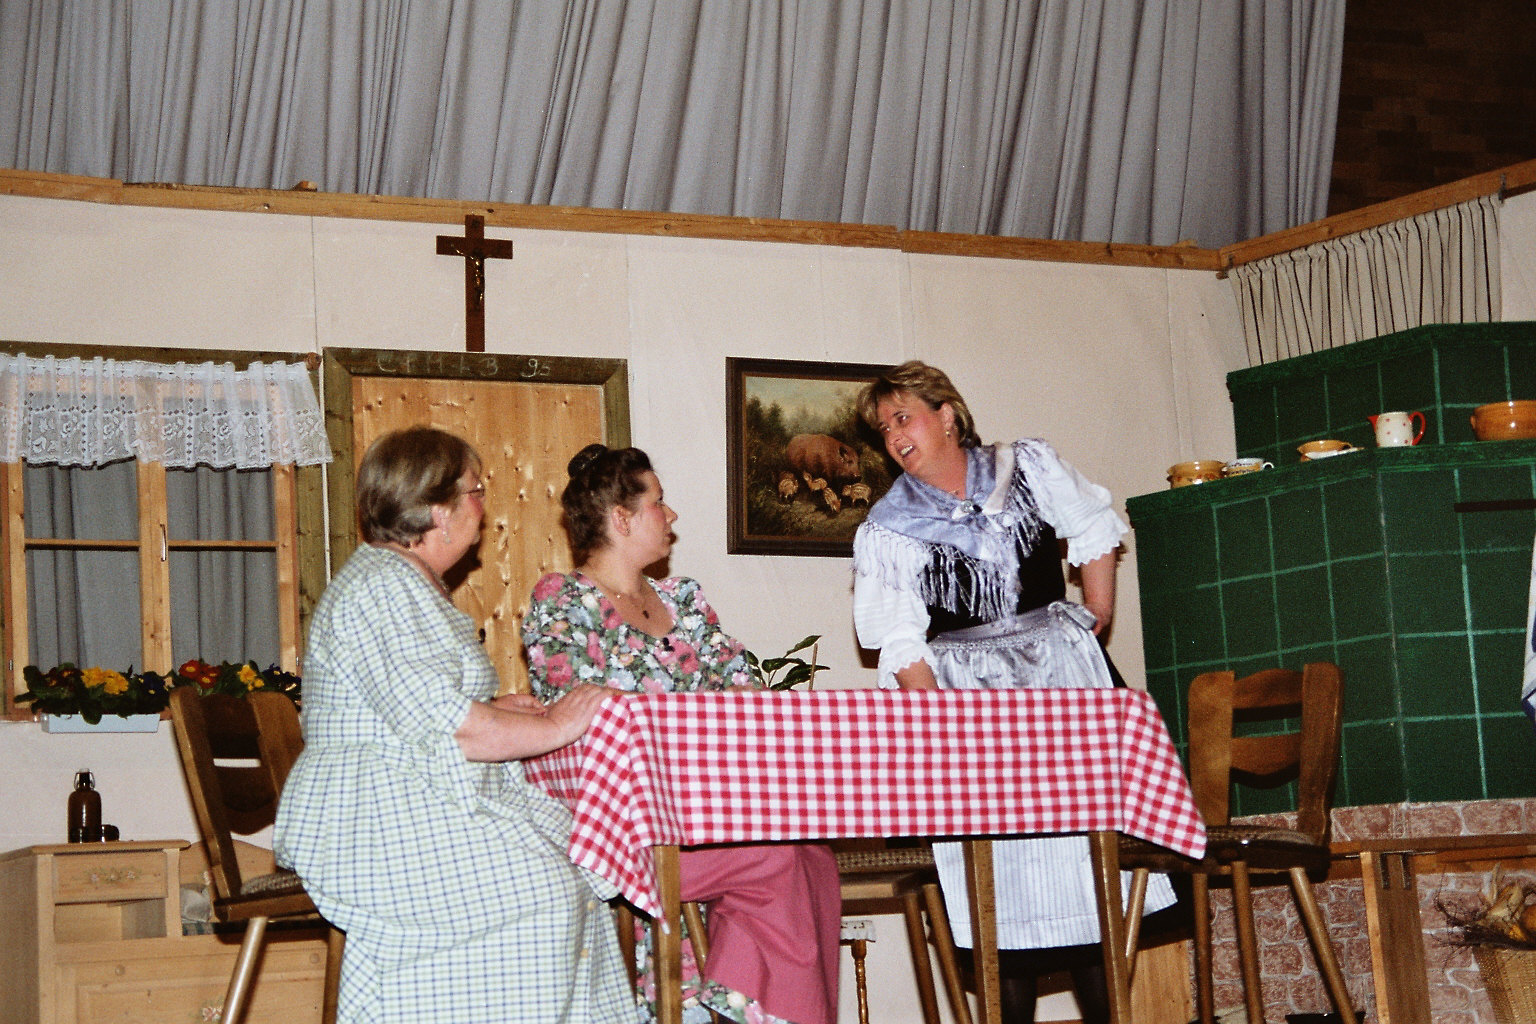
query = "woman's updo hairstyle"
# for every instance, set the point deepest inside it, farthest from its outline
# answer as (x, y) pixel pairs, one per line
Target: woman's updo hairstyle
(920, 380)
(601, 478)
(402, 475)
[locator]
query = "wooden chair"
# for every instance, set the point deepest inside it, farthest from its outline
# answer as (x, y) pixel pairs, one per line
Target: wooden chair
(260, 734)
(881, 879)
(1308, 705)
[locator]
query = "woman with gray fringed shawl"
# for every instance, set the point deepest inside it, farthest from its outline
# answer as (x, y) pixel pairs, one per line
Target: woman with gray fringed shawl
(958, 583)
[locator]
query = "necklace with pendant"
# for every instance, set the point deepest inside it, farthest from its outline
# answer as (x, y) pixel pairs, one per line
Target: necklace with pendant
(636, 601)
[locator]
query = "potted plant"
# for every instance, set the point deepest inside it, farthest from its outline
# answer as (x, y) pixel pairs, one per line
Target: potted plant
(788, 671)
(72, 699)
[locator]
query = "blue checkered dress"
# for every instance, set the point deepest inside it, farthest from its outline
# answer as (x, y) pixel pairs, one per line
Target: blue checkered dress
(450, 878)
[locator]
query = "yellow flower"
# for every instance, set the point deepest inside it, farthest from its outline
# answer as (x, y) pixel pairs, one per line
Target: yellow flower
(116, 683)
(94, 677)
(248, 676)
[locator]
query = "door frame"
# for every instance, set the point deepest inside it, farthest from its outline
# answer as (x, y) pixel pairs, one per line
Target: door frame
(341, 365)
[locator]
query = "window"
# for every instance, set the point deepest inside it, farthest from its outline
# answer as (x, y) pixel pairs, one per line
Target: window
(133, 562)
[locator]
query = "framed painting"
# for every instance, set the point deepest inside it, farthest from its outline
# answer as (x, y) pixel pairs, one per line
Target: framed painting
(801, 468)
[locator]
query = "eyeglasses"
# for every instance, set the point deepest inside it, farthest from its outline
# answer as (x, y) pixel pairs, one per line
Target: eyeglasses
(478, 491)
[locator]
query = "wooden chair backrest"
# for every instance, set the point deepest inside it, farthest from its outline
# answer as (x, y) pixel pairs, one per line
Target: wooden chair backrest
(260, 735)
(1308, 754)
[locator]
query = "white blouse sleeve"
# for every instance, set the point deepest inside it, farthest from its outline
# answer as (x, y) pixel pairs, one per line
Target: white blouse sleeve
(1077, 508)
(895, 622)
(886, 617)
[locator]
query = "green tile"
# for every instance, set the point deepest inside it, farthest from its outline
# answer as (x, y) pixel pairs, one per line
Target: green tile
(1370, 673)
(1156, 630)
(1197, 626)
(1457, 425)
(1498, 588)
(1190, 554)
(1243, 538)
(1441, 760)
(1418, 510)
(1163, 685)
(1500, 662)
(1509, 755)
(1300, 411)
(1253, 419)
(1358, 588)
(1371, 766)
(1302, 604)
(1434, 676)
(1408, 381)
(1248, 606)
(1353, 394)
(1481, 482)
(1353, 517)
(1297, 521)
(1426, 592)
(1246, 801)
(1486, 529)
(1521, 360)
(1257, 662)
(1470, 373)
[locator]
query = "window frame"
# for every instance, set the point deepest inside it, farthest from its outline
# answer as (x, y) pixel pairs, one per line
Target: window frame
(297, 512)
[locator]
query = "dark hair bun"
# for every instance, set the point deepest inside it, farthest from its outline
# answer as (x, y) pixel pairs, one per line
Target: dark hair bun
(583, 459)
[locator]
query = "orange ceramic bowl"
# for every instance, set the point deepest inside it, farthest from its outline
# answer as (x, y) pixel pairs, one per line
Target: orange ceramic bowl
(1504, 421)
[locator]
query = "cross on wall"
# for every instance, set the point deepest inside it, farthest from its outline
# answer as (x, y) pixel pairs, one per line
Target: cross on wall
(474, 248)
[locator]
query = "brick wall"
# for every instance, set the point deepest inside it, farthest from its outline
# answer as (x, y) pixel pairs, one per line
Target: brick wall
(1431, 91)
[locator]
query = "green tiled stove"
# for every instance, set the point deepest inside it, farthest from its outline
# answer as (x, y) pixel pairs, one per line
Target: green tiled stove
(1409, 567)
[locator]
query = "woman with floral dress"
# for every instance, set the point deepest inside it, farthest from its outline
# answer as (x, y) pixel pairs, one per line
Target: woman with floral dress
(773, 908)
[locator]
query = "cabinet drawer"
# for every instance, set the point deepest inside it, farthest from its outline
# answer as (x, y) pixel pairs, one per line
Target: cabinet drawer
(183, 980)
(105, 877)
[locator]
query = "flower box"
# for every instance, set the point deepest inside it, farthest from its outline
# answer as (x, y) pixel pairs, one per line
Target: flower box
(108, 723)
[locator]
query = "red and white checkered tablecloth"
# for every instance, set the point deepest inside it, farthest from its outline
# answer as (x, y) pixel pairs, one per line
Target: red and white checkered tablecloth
(696, 768)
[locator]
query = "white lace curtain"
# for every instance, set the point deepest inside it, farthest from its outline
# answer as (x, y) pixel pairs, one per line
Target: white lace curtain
(1438, 267)
(75, 412)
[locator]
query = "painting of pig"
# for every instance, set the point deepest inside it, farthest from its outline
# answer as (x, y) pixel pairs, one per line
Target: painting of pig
(795, 450)
(822, 456)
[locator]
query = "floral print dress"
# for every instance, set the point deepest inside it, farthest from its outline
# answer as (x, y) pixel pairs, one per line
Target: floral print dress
(574, 635)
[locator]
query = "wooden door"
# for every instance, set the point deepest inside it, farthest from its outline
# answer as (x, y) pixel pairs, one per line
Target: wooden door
(526, 416)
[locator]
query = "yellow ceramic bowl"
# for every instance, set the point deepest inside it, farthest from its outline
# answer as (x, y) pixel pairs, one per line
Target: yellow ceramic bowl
(1504, 421)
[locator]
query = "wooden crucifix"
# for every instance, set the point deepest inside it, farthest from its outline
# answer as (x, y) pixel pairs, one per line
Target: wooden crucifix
(475, 249)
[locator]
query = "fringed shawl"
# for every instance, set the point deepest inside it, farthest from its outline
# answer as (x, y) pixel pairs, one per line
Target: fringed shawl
(956, 553)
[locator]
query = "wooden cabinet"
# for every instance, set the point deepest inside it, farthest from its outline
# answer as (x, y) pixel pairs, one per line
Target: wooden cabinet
(93, 935)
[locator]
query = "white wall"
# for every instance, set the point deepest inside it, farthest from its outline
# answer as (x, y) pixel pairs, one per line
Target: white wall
(1123, 369)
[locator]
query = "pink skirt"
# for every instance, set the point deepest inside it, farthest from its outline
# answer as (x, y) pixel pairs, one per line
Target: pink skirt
(775, 914)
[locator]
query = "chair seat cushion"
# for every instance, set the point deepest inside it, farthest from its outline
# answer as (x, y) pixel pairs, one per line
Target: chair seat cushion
(1261, 847)
(893, 859)
(278, 883)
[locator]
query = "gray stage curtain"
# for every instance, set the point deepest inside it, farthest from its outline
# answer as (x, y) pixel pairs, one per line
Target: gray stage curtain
(1104, 120)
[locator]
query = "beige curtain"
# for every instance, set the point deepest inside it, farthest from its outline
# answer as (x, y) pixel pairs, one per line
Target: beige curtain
(1438, 267)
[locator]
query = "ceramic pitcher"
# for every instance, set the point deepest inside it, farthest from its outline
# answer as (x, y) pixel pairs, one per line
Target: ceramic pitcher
(1394, 429)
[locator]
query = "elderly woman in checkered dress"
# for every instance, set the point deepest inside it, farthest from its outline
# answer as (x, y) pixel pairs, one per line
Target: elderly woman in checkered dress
(407, 815)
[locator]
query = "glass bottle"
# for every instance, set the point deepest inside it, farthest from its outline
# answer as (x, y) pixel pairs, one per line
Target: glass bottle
(84, 810)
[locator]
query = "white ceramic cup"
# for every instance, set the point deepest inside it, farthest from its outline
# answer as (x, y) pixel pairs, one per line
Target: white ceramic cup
(1237, 467)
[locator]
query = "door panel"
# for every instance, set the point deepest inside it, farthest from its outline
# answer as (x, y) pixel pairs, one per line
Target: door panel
(525, 431)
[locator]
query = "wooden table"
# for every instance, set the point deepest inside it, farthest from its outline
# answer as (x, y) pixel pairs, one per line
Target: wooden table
(660, 771)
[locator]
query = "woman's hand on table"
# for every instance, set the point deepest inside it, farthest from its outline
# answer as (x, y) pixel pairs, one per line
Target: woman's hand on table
(516, 726)
(576, 709)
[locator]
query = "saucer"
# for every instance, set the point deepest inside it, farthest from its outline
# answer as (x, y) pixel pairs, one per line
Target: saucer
(1328, 455)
